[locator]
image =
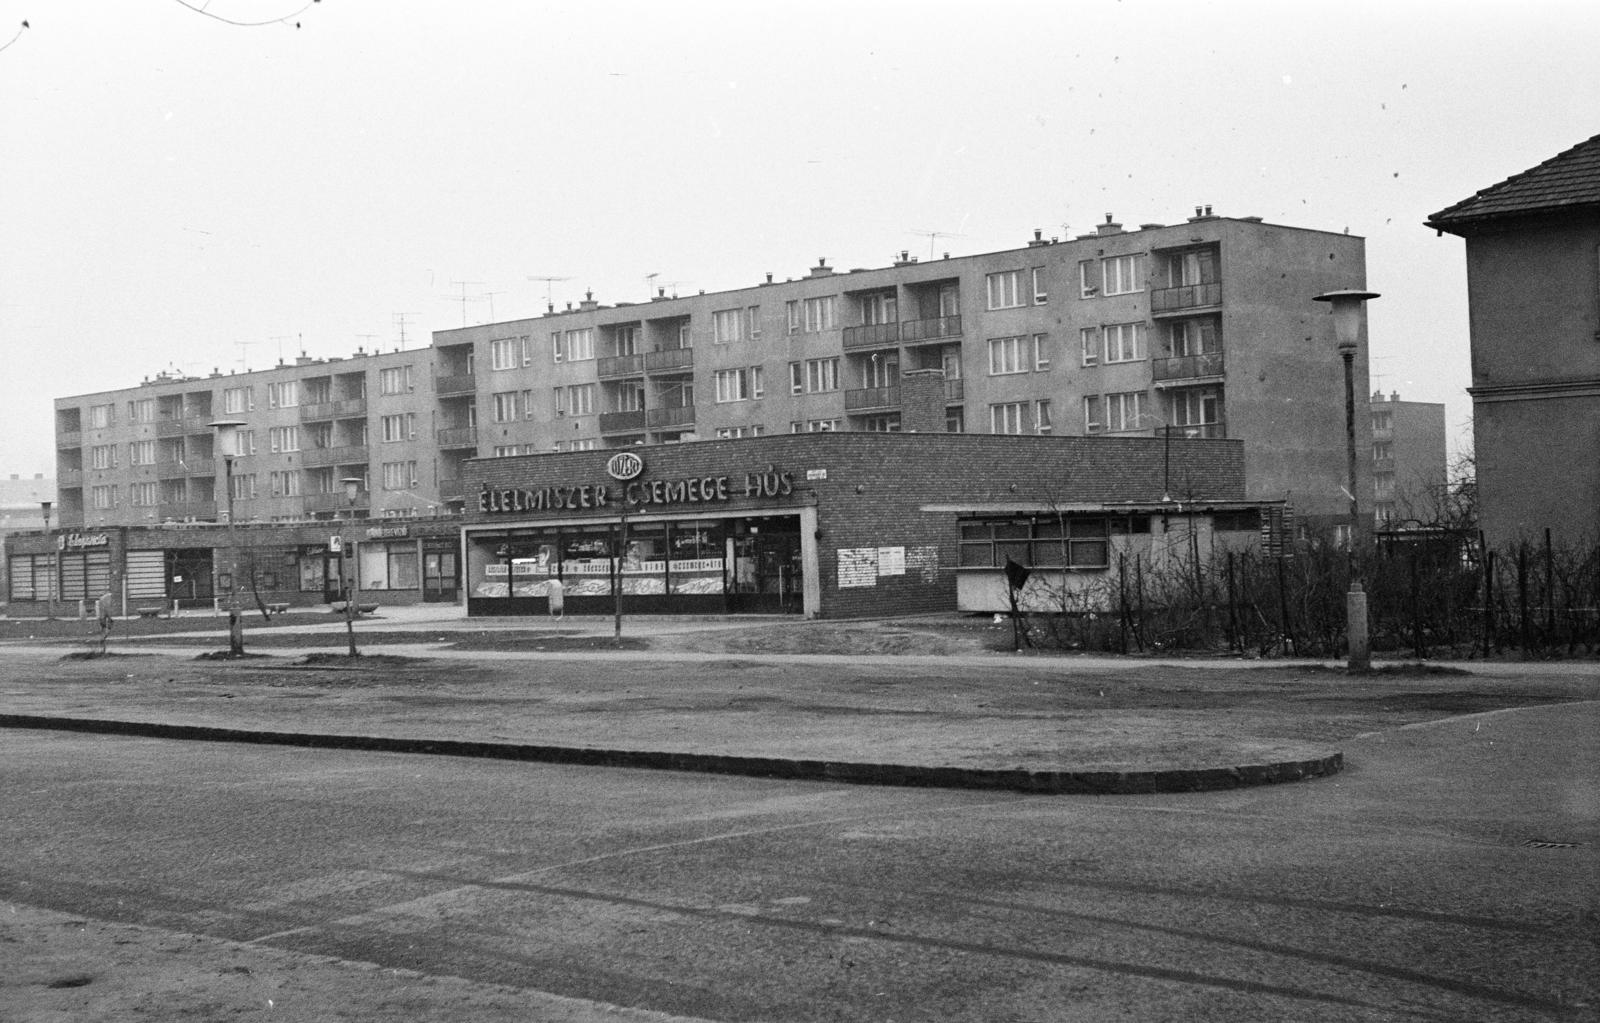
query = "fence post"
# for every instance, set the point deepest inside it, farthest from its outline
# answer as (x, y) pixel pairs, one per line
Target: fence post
(1122, 598)
(1522, 596)
(1416, 611)
(1285, 628)
(1549, 590)
(1233, 612)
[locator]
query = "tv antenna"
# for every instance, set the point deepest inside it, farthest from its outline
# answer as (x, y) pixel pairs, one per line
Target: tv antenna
(490, 296)
(463, 297)
(244, 362)
(549, 300)
(400, 327)
(934, 236)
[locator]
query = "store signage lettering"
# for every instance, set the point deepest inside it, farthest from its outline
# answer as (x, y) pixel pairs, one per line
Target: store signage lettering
(76, 541)
(624, 466)
(382, 532)
(690, 490)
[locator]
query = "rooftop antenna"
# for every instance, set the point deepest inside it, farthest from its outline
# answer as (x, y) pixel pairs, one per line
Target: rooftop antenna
(674, 286)
(549, 301)
(370, 341)
(650, 283)
(934, 236)
(490, 296)
(400, 327)
(244, 362)
(463, 299)
(280, 338)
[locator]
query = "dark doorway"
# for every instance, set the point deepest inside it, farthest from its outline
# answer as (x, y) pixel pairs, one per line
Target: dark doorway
(189, 576)
(766, 574)
(440, 579)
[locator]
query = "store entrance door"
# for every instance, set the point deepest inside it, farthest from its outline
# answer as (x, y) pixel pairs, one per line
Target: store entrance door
(440, 582)
(766, 563)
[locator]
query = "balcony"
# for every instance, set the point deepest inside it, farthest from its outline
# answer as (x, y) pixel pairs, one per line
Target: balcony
(69, 438)
(872, 335)
(935, 329)
(69, 477)
(452, 490)
(1197, 431)
(1383, 465)
(334, 409)
(456, 386)
(350, 454)
(955, 390)
(200, 467)
(676, 415)
(1185, 297)
(872, 399)
(459, 437)
(1186, 368)
(614, 366)
(170, 427)
(622, 422)
(336, 502)
(182, 511)
(670, 360)
(171, 469)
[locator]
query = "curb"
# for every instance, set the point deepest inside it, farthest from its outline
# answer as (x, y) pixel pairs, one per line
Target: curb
(849, 772)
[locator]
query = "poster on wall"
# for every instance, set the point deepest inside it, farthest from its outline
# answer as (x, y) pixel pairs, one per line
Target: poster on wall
(858, 566)
(891, 561)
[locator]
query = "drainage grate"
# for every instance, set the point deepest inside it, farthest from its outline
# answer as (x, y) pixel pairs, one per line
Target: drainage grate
(1538, 843)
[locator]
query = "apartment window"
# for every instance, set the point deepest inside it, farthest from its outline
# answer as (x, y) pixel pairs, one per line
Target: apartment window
(245, 442)
(752, 322)
(244, 486)
(811, 315)
(955, 420)
(238, 399)
(732, 385)
(813, 376)
(1124, 342)
(283, 395)
(525, 399)
(1041, 416)
(1008, 417)
(887, 423)
(142, 410)
(505, 406)
(1192, 337)
(103, 456)
(758, 382)
(1382, 449)
(1089, 337)
(145, 495)
(1088, 280)
(103, 498)
(586, 444)
(142, 452)
(1121, 275)
(1005, 356)
(630, 397)
(575, 399)
(101, 416)
(284, 438)
(1041, 290)
(1124, 411)
(394, 380)
(1093, 419)
(1194, 407)
(1041, 352)
(323, 482)
(879, 308)
(505, 353)
(399, 475)
(573, 345)
(1005, 289)
(284, 484)
(627, 340)
(815, 426)
(735, 432)
(510, 450)
(727, 325)
(399, 427)
(1383, 420)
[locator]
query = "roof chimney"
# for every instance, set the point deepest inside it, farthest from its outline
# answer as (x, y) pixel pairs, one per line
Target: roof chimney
(1038, 239)
(589, 304)
(906, 258)
(822, 269)
(1110, 226)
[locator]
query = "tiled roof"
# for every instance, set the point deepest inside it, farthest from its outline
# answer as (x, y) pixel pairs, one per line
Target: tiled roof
(1569, 182)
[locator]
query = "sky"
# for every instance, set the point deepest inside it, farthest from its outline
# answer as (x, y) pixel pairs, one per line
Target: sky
(193, 186)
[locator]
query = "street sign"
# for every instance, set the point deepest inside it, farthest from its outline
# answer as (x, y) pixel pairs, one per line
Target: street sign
(335, 545)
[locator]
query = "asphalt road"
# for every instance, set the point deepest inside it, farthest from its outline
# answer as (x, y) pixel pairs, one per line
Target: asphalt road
(1403, 889)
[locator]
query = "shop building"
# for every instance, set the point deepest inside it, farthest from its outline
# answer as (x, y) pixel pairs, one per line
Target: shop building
(840, 525)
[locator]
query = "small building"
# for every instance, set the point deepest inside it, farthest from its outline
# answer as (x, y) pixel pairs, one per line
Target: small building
(840, 525)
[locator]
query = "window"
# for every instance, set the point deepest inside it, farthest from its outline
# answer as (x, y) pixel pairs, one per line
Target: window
(238, 399)
(735, 432)
(101, 416)
(573, 345)
(1007, 418)
(283, 395)
(1121, 274)
(811, 315)
(399, 427)
(1041, 416)
(1005, 289)
(955, 420)
(815, 426)
(284, 484)
(1124, 412)
(1088, 280)
(732, 385)
(627, 340)
(575, 399)
(1382, 449)
(145, 495)
(1124, 342)
(505, 406)
(1089, 337)
(879, 308)
(142, 452)
(284, 438)
(510, 450)
(758, 382)
(1383, 420)
(1072, 541)
(505, 353)
(752, 322)
(727, 325)
(1191, 268)
(813, 376)
(1041, 290)
(1005, 356)
(394, 380)
(1092, 421)
(142, 410)
(1041, 352)
(1198, 407)
(399, 475)
(103, 498)
(887, 423)
(1192, 337)
(244, 486)
(103, 456)
(323, 482)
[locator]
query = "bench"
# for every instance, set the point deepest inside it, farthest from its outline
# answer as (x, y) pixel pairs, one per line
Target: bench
(277, 609)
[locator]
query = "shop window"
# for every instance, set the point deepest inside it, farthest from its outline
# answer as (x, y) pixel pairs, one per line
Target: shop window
(1073, 542)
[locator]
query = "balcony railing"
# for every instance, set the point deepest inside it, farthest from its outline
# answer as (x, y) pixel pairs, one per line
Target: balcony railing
(69, 477)
(69, 438)
(955, 390)
(613, 366)
(463, 383)
(348, 455)
(200, 511)
(918, 331)
(458, 437)
(200, 467)
(1187, 367)
(171, 469)
(872, 399)
(452, 490)
(1383, 465)
(872, 335)
(674, 415)
(1197, 431)
(334, 409)
(336, 502)
(1187, 296)
(669, 360)
(622, 422)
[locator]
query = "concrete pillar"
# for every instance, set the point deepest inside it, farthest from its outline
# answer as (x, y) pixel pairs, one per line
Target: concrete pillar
(1355, 611)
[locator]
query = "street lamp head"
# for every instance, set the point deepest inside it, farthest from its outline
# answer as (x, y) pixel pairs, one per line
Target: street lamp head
(45, 507)
(1346, 314)
(352, 487)
(227, 431)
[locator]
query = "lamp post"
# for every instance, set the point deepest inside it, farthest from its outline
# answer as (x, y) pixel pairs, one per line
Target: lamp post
(54, 558)
(1347, 308)
(352, 489)
(227, 437)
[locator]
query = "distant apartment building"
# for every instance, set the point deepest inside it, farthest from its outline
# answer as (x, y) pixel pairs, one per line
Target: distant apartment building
(26, 503)
(1408, 459)
(1533, 290)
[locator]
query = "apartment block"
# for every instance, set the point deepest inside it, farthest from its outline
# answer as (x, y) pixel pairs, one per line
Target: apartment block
(1408, 460)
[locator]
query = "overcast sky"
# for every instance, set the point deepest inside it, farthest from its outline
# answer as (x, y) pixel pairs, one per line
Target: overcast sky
(183, 193)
